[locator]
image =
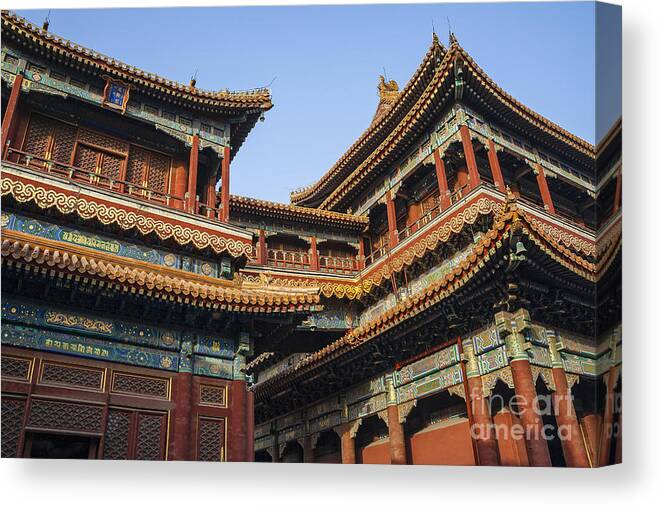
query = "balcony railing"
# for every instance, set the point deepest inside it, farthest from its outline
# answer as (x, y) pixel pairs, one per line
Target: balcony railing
(338, 265)
(287, 259)
(100, 180)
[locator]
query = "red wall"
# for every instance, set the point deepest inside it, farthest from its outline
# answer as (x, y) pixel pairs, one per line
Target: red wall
(377, 453)
(442, 444)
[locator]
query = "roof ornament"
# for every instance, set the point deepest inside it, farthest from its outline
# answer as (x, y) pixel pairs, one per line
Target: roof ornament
(388, 90)
(46, 22)
(193, 80)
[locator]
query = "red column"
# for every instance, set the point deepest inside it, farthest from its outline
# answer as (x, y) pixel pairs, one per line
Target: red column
(511, 326)
(308, 451)
(211, 194)
(591, 424)
(485, 445)
(225, 186)
(237, 434)
(544, 188)
(192, 173)
(469, 154)
(395, 428)
(182, 393)
(618, 192)
(10, 112)
(361, 253)
(261, 248)
(392, 220)
(180, 184)
(573, 446)
(348, 446)
(511, 444)
(524, 388)
(607, 426)
(441, 176)
(494, 164)
(314, 254)
(250, 426)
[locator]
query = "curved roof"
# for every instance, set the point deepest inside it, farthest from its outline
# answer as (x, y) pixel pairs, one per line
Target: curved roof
(22, 30)
(413, 109)
(291, 212)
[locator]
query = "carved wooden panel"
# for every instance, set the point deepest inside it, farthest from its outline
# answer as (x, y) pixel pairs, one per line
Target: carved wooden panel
(59, 415)
(13, 410)
(211, 439)
(213, 395)
(135, 434)
(150, 438)
(37, 138)
(16, 368)
(100, 140)
(110, 166)
(49, 138)
(136, 169)
(125, 383)
(72, 376)
(64, 139)
(86, 158)
(117, 444)
(159, 172)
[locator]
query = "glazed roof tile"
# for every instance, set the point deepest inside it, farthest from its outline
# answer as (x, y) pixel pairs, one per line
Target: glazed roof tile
(259, 98)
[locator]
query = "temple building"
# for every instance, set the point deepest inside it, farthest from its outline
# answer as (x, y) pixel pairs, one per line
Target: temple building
(448, 292)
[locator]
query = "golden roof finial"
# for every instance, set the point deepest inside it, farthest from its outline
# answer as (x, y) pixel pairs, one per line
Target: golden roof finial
(388, 90)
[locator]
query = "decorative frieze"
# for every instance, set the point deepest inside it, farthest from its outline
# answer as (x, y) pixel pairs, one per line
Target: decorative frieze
(435, 382)
(43, 229)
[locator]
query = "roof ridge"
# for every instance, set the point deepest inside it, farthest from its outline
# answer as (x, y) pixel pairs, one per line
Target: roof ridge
(300, 209)
(519, 104)
(297, 196)
(22, 24)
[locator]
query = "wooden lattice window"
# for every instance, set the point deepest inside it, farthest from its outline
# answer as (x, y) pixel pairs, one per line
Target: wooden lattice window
(100, 154)
(148, 169)
(50, 139)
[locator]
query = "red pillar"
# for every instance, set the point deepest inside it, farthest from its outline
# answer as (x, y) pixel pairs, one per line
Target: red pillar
(308, 451)
(524, 388)
(544, 188)
(618, 192)
(211, 194)
(262, 254)
(10, 112)
(392, 220)
(225, 186)
(348, 446)
(395, 428)
(192, 173)
(314, 254)
(250, 426)
(469, 154)
(237, 434)
(361, 254)
(607, 427)
(573, 446)
(494, 164)
(591, 424)
(511, 444)
(180, 184)
(441, 176)
(485, 445)
(182, 388)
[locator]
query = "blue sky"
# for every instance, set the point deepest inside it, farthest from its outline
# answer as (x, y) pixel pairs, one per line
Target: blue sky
(324, 64)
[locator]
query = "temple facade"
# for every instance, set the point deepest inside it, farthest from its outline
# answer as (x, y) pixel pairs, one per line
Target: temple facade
(448, 292)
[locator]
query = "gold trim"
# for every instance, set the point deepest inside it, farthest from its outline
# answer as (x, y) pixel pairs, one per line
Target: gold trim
(216, 405)
(140, 395)
(127, 220)
(100, 389)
